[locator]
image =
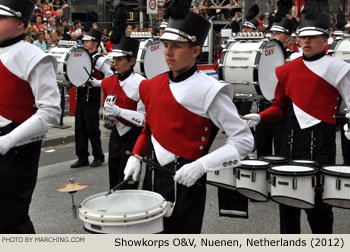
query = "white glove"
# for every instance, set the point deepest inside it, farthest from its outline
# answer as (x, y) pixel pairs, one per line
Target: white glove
(111, 110)
(346, 131)
(253, 120)
(95, 83)
(6, 144)
(188, 174)
(132, 168)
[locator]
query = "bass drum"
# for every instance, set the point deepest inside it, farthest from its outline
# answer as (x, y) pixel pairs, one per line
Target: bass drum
(150, 58)
(61, 54)
(249, 65)
(78, 66)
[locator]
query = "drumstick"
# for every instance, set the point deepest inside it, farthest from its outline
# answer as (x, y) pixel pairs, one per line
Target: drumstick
(155, 165)
(86, 70)
(242, 117)
(118, 186)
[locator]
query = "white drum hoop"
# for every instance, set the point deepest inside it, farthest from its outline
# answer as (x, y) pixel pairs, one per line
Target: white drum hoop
(78, 66)
(102, 214)
(150, 59)
(252, 179)
(286, 177)
(274, 159)
(306, 162)
(335, 180)
(60, 53)
(256, 78)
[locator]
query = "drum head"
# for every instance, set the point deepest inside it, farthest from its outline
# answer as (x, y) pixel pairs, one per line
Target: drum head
(337, 170)
(341, 49)
(274, 159)
(154, 59)
(295, 170)
(254, 164)
(78, 66)
(271, 57)
(303, 162)
(126, 202)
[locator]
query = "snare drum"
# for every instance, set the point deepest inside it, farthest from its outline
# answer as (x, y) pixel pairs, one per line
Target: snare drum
(249, 65)
(224, 178)
(336, 185)
(340, 49)
(293, 185)
(251, 179)
(150, 58)
(307, 162)
(124, 212)
(274, 159)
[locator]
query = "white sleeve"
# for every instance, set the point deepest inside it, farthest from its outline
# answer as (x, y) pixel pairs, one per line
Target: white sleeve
(135, 117)
(42, 80)
(344, 89)
(240, 141)
(106, 67)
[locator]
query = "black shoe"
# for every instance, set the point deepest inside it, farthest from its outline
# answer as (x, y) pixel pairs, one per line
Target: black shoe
(80, 163)
(96, 162)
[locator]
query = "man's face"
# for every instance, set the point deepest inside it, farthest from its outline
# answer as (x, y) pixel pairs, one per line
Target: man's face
(313, 45)
(281, 36)
(179, 56)
(90, 45)
(9, 27)
(53, 37)
(247, 29)
(122, 64)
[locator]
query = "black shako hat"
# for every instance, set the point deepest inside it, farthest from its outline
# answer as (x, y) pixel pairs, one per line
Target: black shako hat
(21, 9)
(254, 24)
(126, 46)
(192, 27)
(285, 25)
(93, 34)
(319, 25)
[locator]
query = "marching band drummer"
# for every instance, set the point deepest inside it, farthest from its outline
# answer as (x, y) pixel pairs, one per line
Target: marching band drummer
(88, 105)
(184, 109)
(308, 94)
(269, 135)
(128, 122)
(29, 104)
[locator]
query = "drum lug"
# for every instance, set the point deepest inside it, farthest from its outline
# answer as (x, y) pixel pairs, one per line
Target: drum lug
(338, 184)
(238, 174)
(253, 176)
(216, 172)
(273, 180)
(294, 186)
(313, 181)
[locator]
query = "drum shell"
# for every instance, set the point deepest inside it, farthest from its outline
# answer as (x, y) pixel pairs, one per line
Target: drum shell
(249, 65)
(252, 180)
(60, 53)
(224, 178)
(296, 189)
(145, 220)
(336, 186)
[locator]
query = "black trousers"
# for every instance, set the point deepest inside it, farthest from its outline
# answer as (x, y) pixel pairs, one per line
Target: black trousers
(18, 175)
(117, 158)
(87, 128)
(188, 213)
(345, 143)
(320, 218)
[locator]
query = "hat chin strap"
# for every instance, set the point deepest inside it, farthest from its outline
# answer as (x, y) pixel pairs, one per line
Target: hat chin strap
(181, 33)
(15, 13)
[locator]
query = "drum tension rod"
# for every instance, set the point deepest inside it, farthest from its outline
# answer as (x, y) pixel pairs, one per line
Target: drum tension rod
(155, 165)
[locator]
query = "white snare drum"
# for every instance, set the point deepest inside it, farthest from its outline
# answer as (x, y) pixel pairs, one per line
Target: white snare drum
(61, 54)
(251, 179)
(78, 66)
(306, 162)
(224, 178)
(293, 185)
(249, 65)
(336, 185)
(124, 211)
(150, 58)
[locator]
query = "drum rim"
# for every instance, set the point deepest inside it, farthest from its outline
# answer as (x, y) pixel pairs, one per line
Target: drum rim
(266, 197)
(334, 173)
(283, 196)
(324, 200)
(254, 167)
(66, 62)
(292, 173)
(293, 161)
(134, 217)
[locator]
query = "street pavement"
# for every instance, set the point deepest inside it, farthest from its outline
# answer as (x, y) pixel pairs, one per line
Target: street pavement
(51, 211)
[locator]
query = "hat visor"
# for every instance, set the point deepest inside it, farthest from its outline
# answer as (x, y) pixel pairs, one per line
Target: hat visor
(173, 37)
(6, 13)
(277, 29)
(310, 33)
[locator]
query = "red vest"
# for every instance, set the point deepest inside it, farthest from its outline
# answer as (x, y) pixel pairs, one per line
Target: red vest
(307, 90)
(111, 85)
(177, 129)
(17, 102)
